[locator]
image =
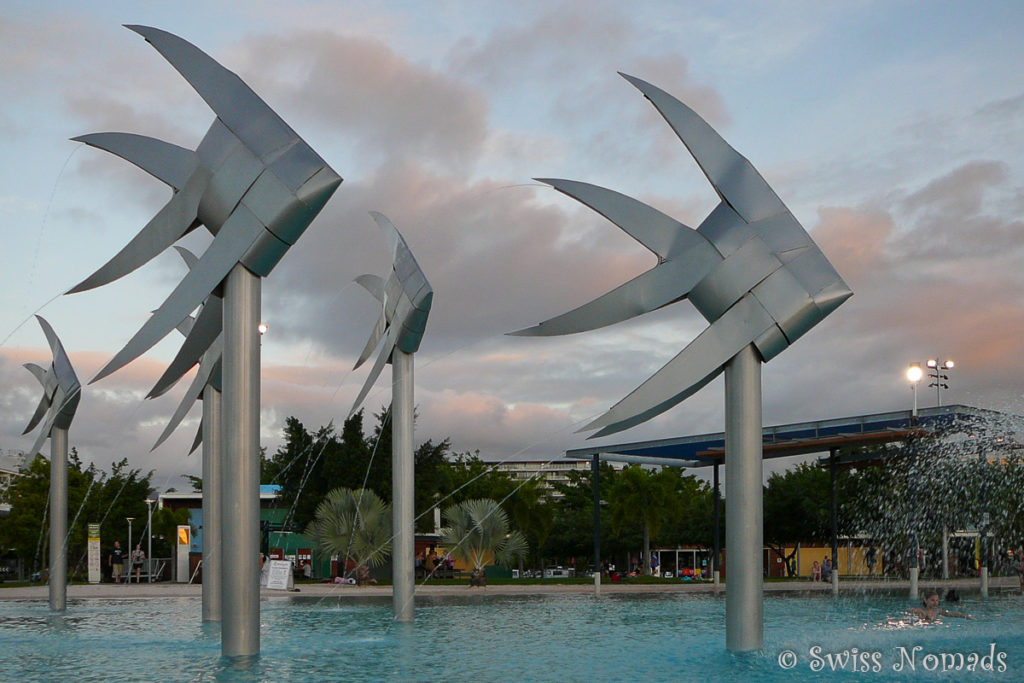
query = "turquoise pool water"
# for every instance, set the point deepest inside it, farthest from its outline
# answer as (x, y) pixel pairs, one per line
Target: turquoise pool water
(506, 638)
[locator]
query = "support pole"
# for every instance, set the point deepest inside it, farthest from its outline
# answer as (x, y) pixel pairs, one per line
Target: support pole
(945, 551)
(833, 513)
(402, 478)
(595, 475)
(212, 485)
(716, 540)
(744, 531)
(58, 586)
(983, 529)
(240, 503)
(914, 569)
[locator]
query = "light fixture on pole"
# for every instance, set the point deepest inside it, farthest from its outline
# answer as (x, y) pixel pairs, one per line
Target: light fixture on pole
(935, 371)
(149, 540)
(914, 375)
(129, 534)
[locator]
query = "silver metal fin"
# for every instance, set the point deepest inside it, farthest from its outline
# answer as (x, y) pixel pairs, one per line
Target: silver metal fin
(44, 401)
(234, 102)
(168, 163)
(198, 441)
(236, 236)
(734, 178)
(378, 366)
(374, 284)
(664, 284)
(175, 219)
(691, 369)
(187, 401)
(44, 434)
(657, 231)
(205, 330)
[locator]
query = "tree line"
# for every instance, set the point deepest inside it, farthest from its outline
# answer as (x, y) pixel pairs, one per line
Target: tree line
(95, 496)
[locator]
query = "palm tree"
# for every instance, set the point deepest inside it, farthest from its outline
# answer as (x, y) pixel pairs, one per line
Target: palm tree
(644, 496)
(353, 524)
(478, 529)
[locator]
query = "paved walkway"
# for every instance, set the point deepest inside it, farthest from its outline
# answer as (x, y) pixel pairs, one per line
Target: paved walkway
(110, 591)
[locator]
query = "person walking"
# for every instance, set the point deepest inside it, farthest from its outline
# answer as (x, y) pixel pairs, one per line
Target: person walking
(138, 559)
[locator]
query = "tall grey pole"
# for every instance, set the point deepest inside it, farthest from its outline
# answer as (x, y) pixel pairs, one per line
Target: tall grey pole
(404, 543)
(212, 485)
(58, 587)
(595, 474)
(716, 541)
(240, 503)
(744, 514)
(149, 541)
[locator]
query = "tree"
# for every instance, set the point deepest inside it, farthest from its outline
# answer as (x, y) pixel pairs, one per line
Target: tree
(94, 497)
(797, 508)
(478, 530)
(533, 514)
(645, 498)
(353, 524)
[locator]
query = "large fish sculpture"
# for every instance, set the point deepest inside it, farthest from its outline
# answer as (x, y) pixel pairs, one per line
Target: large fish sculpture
(749, 268)
(252, 181)
(405, 299)
(61, 390)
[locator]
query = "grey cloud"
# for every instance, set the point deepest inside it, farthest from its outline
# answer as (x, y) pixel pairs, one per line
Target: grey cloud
(372, 99)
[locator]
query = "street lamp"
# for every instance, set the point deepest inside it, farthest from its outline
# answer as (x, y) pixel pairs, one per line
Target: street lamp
(149, 540)
(129, 546)
(935, 371)
(914, 375)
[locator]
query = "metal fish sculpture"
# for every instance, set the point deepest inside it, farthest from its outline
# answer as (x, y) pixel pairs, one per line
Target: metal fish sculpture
(61, 390)
(750, 269)
(252, 181)
(204, 344)
(405, 299)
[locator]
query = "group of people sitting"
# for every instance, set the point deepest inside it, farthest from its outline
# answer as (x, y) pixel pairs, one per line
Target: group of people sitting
(822, 572)
(432, 564)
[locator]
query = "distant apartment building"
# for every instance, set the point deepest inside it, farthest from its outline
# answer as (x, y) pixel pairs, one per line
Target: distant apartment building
(11, 463)
(550, 472)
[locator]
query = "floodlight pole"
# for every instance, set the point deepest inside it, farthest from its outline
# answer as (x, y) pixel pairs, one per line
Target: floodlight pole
(240, 503)
(149, 540)
(595, 475)
(402, 473)
(58, 586)
(744, 513)
(212, 500)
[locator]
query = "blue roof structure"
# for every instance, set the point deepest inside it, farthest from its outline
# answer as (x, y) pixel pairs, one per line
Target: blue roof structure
(802, 437)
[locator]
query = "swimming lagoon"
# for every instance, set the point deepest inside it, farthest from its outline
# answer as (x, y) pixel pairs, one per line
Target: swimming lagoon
(483, 637)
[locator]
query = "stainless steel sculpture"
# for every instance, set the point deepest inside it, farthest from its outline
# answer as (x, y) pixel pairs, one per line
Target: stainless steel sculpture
(204, 344)
(256, 185)
(405, 299)
(755, 274)
(61, 393)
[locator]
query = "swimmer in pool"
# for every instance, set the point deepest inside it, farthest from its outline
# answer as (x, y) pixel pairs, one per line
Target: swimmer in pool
(930, 611)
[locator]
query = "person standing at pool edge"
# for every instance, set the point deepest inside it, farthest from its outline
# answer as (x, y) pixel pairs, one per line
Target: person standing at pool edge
(116, 562)
(138, 558)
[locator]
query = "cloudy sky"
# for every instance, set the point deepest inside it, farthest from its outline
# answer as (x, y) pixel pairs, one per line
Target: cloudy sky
(894, 131)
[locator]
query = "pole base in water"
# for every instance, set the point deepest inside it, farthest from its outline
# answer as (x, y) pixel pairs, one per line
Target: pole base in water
(913, 582)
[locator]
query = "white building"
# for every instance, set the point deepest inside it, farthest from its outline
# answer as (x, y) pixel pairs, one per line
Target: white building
(11, 463)
(551, 472)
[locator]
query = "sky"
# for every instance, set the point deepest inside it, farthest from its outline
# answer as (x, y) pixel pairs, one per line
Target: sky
(894, 132)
